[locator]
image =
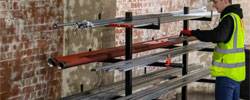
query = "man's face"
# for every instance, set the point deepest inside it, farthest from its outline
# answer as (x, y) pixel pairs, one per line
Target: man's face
(219, 5)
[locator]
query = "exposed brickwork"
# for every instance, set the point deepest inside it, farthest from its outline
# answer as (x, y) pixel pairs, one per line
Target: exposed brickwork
(142, 7)
(27, 40)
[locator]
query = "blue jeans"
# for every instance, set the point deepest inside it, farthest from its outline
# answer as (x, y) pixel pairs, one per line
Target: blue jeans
(226, 89)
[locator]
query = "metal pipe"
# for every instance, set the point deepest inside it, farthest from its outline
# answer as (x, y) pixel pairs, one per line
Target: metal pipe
(106, 22)
(149, 59)
(52, 62)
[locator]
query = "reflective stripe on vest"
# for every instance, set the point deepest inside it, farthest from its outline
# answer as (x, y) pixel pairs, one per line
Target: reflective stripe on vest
(229, 51)
(235, 65)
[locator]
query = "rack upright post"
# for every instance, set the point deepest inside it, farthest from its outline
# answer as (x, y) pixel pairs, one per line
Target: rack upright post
(128, 54)
(185, 56)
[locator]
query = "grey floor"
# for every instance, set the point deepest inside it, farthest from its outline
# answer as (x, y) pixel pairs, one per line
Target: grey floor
(198, 96)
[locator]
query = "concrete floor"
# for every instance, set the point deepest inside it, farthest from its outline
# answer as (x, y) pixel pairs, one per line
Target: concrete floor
(198, 96)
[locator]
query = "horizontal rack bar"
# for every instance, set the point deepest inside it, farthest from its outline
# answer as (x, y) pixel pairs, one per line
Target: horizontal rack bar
(106, 22)
(149, 59)
(163, 88)
(116, 89)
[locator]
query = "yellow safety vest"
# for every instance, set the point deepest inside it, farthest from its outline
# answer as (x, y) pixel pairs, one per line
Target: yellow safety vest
(229, 58)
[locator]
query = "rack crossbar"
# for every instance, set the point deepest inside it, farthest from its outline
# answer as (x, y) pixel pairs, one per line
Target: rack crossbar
(146, 60)
(116, 89)
(163, 88)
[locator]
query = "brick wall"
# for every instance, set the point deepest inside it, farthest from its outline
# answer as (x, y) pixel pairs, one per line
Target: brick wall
(142, 7)
(27, 40)
(80, 78)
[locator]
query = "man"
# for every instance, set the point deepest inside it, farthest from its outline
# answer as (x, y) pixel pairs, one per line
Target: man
(228, 62)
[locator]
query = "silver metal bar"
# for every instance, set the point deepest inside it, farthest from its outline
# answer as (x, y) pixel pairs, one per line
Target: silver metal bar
(163, 88)
(165, 19)
(149, 59)
(106, 22)
(143, 61)
(112, 67)
(154, 21)
(139, 81)
(119, 86)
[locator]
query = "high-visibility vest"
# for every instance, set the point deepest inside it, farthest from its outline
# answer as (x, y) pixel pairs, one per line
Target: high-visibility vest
(229, 58)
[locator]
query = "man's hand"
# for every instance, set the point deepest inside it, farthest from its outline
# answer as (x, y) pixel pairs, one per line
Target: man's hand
(185, 33)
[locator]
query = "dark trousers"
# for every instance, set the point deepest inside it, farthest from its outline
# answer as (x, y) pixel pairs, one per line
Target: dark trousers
(226, 89)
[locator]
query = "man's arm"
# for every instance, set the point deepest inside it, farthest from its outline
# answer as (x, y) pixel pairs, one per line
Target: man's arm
(222, 33)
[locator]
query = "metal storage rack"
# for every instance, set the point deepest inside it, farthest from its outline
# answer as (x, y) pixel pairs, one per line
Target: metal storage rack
(152, 21)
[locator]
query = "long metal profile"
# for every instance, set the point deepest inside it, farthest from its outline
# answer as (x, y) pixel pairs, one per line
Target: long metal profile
(163, 88)
(112, 90)
(78, 59)
(106, 22)
(163, 19)
(149, 59)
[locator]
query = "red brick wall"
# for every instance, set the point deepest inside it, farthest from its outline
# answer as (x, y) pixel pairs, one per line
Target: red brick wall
(143, 7)
(27, 40)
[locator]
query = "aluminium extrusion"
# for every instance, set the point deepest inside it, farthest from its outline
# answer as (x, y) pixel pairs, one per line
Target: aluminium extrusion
(165, 19)
(106, 22)
(139, 81)
(143, 61)
(163, 88)
(149, 59)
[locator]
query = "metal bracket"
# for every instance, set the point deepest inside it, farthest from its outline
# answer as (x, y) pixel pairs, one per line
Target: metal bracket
(113, 60)
(206, 80)
(171, 47)
(86, 24)
(205, 18)
(161, 64)
(152, 26)
(207, 49)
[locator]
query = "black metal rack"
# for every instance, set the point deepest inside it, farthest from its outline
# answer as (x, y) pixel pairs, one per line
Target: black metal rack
(128, 56)
(185, 56)
(153, 23)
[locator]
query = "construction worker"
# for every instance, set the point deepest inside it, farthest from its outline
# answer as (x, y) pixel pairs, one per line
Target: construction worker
(228, 61)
